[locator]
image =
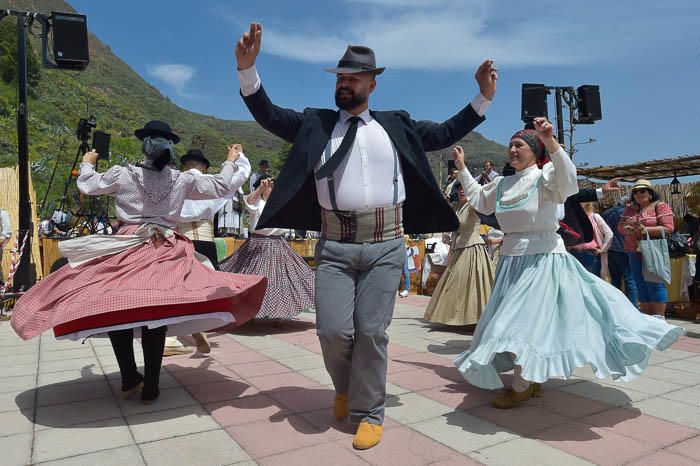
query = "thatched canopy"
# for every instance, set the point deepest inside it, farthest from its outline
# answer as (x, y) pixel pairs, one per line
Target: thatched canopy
(650, 170)
(687, 201)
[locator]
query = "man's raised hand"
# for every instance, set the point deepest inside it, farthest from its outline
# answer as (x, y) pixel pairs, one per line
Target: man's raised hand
(486, 76)
(248, 47)
(612, 186)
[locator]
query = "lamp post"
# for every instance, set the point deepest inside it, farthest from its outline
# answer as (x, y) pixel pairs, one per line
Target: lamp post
(675, 185)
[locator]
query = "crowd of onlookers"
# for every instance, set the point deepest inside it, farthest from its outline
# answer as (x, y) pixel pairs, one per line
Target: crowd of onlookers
(612, 252)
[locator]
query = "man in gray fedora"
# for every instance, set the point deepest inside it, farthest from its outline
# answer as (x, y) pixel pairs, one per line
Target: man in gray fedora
(362, 179)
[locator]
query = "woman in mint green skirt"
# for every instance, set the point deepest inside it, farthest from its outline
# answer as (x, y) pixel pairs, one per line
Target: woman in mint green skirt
(547, 315)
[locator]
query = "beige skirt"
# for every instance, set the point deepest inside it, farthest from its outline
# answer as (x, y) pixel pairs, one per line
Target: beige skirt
(464, 289)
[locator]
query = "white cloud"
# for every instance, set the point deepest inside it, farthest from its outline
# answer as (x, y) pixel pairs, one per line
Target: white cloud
(175, 75)
(458, 34)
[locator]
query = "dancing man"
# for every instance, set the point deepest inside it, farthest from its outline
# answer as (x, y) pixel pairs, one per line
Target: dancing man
(362, 179)
(195, 223)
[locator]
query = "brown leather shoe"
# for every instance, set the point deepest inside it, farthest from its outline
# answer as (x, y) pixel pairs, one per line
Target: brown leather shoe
(367, 436)
(509, 398)
(340, 406)
(126, 394)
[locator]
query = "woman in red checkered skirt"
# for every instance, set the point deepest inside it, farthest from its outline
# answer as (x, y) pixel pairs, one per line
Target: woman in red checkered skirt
(147, 279)
(290, 286)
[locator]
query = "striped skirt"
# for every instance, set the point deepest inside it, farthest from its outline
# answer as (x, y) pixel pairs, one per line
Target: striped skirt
(290, 282)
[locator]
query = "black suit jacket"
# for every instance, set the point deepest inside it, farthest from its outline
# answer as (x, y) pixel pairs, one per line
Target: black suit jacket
(294, 201)
(576, 217)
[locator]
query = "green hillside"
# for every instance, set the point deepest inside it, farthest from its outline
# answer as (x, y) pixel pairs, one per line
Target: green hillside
(121, 101)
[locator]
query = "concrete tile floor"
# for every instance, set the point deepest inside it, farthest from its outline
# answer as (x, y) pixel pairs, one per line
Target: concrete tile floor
(263, 397)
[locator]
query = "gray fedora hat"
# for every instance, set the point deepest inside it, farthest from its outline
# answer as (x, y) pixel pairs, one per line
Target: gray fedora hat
(357, 59)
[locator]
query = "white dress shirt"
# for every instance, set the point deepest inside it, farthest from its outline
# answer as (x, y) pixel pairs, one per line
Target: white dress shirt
(364, 180)
(194, 210)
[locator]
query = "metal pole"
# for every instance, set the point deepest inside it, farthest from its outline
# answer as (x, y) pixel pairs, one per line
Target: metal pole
(560, 116)
(23, 277)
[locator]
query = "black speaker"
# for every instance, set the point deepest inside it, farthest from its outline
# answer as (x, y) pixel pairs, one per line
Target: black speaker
(588, 97)
(70, 40)
(100, 143)
(534, 101)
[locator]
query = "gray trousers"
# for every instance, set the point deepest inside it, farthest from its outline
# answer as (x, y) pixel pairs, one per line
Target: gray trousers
(356, 288)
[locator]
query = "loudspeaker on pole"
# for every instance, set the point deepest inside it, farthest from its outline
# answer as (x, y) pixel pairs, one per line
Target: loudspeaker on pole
(70, 40)
(534, 101)
(588, 97)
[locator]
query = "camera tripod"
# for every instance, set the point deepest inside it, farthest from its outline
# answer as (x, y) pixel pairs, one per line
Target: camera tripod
(93, 218)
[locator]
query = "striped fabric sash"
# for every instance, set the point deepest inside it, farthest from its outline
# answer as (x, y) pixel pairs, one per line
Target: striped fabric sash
(201, 230)
(364, 226)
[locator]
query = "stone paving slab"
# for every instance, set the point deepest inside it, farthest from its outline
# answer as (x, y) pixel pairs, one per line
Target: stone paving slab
(263, 397)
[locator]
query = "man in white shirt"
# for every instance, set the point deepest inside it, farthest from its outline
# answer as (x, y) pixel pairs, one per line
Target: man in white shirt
(230, 217)
(196, 224)
(488, 174)
(263, 170)
(347, 176)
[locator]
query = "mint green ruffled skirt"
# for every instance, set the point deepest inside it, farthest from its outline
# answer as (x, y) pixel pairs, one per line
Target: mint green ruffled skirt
(549, 315)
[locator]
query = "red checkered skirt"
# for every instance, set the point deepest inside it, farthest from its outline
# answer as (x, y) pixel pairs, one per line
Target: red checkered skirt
(154, 281)
(290, 282)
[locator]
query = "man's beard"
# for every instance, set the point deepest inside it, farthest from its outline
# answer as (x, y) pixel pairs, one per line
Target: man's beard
(349, 99)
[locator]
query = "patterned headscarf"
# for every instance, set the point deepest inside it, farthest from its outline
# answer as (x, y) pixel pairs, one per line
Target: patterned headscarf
(537, 146)
(159, 152)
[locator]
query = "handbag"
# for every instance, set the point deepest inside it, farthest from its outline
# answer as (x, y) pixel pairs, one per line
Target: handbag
(656, 263)
(677, 245)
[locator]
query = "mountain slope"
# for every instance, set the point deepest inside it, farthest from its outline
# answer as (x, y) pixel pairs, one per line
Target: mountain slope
(122, 101)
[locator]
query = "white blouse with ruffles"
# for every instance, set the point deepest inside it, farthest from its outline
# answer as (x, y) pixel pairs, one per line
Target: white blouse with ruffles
(526, 204)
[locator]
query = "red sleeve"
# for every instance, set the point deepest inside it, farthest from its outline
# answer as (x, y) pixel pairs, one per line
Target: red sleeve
(628, 213)
(664, 215)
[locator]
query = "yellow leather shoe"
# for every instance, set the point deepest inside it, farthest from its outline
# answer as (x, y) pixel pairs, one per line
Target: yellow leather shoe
(367, 436)
(537, 390)
(509, 398)
(340, 406)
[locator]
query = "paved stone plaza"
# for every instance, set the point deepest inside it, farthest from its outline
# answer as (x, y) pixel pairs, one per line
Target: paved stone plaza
(263, 397)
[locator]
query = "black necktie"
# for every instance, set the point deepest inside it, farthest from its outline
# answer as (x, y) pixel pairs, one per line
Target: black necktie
(328, 168)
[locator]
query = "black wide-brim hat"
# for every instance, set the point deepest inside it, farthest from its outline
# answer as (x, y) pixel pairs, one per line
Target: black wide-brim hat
(195, 154)
(157, 128)
(357, 59)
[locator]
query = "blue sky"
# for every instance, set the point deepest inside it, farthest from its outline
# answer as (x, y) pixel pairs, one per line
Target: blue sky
(645, 56)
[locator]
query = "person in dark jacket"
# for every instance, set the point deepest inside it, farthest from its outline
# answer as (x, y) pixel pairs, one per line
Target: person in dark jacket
(618, 263)
(362, 179)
